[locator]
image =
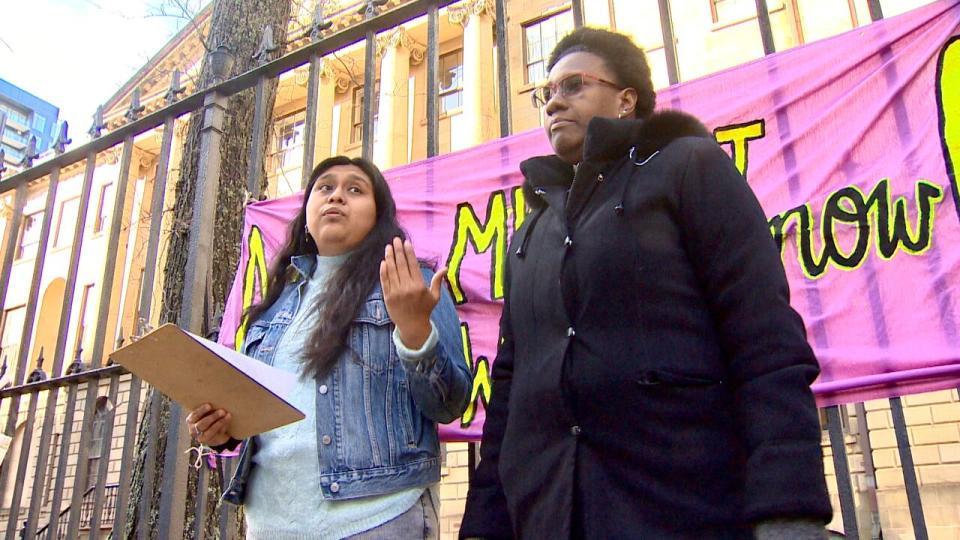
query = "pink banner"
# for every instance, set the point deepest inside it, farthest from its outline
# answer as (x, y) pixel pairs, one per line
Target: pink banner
(852, 145)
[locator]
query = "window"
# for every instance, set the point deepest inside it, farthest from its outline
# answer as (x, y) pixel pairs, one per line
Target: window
(10, 341)
(100, 417)
(724, 11)
(844, 419)
(12, 155)
(356, 114)
(289, 149)
(29, 235)
(14, 115)
(143, 275)
(451, 81)
(97, 443)
(66, 222)
(39, 123)
(52, 468)
(16, 137)
(104, 206)
(539, 39)
(86, 313)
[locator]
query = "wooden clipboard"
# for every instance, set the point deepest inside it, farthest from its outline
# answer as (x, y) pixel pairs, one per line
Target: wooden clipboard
(192, 371)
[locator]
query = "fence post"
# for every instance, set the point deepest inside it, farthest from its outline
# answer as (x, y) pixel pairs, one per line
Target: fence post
(766, 31)
(909, 472)
(669, 42)
(199, 257)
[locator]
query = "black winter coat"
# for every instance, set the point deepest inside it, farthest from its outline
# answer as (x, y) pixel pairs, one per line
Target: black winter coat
(653, 380)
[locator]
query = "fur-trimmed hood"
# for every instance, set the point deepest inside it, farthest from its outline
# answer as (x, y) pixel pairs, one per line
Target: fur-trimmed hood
(610, 139)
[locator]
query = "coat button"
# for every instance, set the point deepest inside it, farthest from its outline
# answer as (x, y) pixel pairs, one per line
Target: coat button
(571, 332)
(326, 440)
(334, 487)
(323, 389)
(567, 241)
(600, 177)
(575, 431)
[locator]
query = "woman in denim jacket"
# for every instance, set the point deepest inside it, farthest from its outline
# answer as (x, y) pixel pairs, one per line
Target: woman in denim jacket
(376, 340)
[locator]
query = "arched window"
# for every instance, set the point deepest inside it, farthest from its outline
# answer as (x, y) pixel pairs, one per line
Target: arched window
(99, 447)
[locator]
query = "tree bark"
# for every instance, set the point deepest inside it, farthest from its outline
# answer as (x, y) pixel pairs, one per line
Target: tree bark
(239, 25)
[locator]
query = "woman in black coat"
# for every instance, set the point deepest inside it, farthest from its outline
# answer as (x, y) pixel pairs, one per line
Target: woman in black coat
(652, 380)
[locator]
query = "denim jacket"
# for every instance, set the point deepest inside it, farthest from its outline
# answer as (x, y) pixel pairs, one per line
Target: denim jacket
(360, 455)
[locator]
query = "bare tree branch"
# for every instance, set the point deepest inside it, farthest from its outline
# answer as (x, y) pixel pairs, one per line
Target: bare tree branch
(180, 10)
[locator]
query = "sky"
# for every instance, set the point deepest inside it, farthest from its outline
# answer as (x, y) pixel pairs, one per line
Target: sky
(77, 53)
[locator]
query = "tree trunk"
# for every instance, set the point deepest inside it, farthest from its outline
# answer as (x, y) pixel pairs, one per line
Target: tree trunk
(239, 25)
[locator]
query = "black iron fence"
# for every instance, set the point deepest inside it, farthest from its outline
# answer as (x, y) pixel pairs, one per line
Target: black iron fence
(107, 514)
(64, 430)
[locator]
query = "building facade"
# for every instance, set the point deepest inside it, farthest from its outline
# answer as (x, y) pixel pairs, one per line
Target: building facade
(22, 116)
(708, 35)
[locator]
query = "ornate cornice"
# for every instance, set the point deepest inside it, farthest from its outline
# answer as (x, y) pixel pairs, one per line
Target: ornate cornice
(340, 79)
(301, 75)
(112, 155)
(180, 129)
(400, 38)
(460, 14)
(6, 208)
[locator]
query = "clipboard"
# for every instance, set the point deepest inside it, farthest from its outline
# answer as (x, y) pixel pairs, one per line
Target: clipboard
(192, 371)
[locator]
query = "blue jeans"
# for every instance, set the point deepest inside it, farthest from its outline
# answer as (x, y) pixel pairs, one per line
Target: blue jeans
(419, 522)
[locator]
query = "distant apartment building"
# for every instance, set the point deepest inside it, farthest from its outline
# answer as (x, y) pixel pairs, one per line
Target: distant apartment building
(22, 116)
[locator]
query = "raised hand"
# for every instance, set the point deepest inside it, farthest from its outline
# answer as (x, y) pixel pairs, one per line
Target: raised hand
(409, 301)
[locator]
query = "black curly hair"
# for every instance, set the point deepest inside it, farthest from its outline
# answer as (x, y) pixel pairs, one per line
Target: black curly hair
(621, 55)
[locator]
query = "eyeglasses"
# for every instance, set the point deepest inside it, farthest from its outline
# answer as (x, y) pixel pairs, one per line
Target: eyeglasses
(568, 86)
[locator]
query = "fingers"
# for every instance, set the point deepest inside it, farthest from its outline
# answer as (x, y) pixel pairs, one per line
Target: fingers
(208, 425)
(207, 422)
(389, 257)
(216, 429)
(400, 270)
(385, 282)
(413, 266)
(437, 282)
(198, 413)
(403, 266)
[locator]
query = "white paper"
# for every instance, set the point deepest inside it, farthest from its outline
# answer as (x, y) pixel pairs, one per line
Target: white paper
(280, 383)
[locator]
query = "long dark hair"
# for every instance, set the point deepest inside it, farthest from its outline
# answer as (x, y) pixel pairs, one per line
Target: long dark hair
(349, 285)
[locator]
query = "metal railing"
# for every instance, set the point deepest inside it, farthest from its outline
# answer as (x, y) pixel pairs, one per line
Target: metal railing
(107, 514)
(67, 400)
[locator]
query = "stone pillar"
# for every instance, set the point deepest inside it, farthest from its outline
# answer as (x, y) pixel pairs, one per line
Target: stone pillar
(480, 115)
(398, 50)
(332, 82)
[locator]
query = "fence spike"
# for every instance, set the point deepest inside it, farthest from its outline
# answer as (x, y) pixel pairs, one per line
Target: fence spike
(30, 153)
(38, 374)
(320, 24)
(77, 366)
(98, 124)
(267, 46)
(175, 87)
(63, 139)
(370, 8)
(135, 107)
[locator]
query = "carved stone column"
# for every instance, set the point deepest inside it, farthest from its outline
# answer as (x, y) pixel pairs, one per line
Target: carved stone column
(477, 18)
(398, 50)
(332, 82)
